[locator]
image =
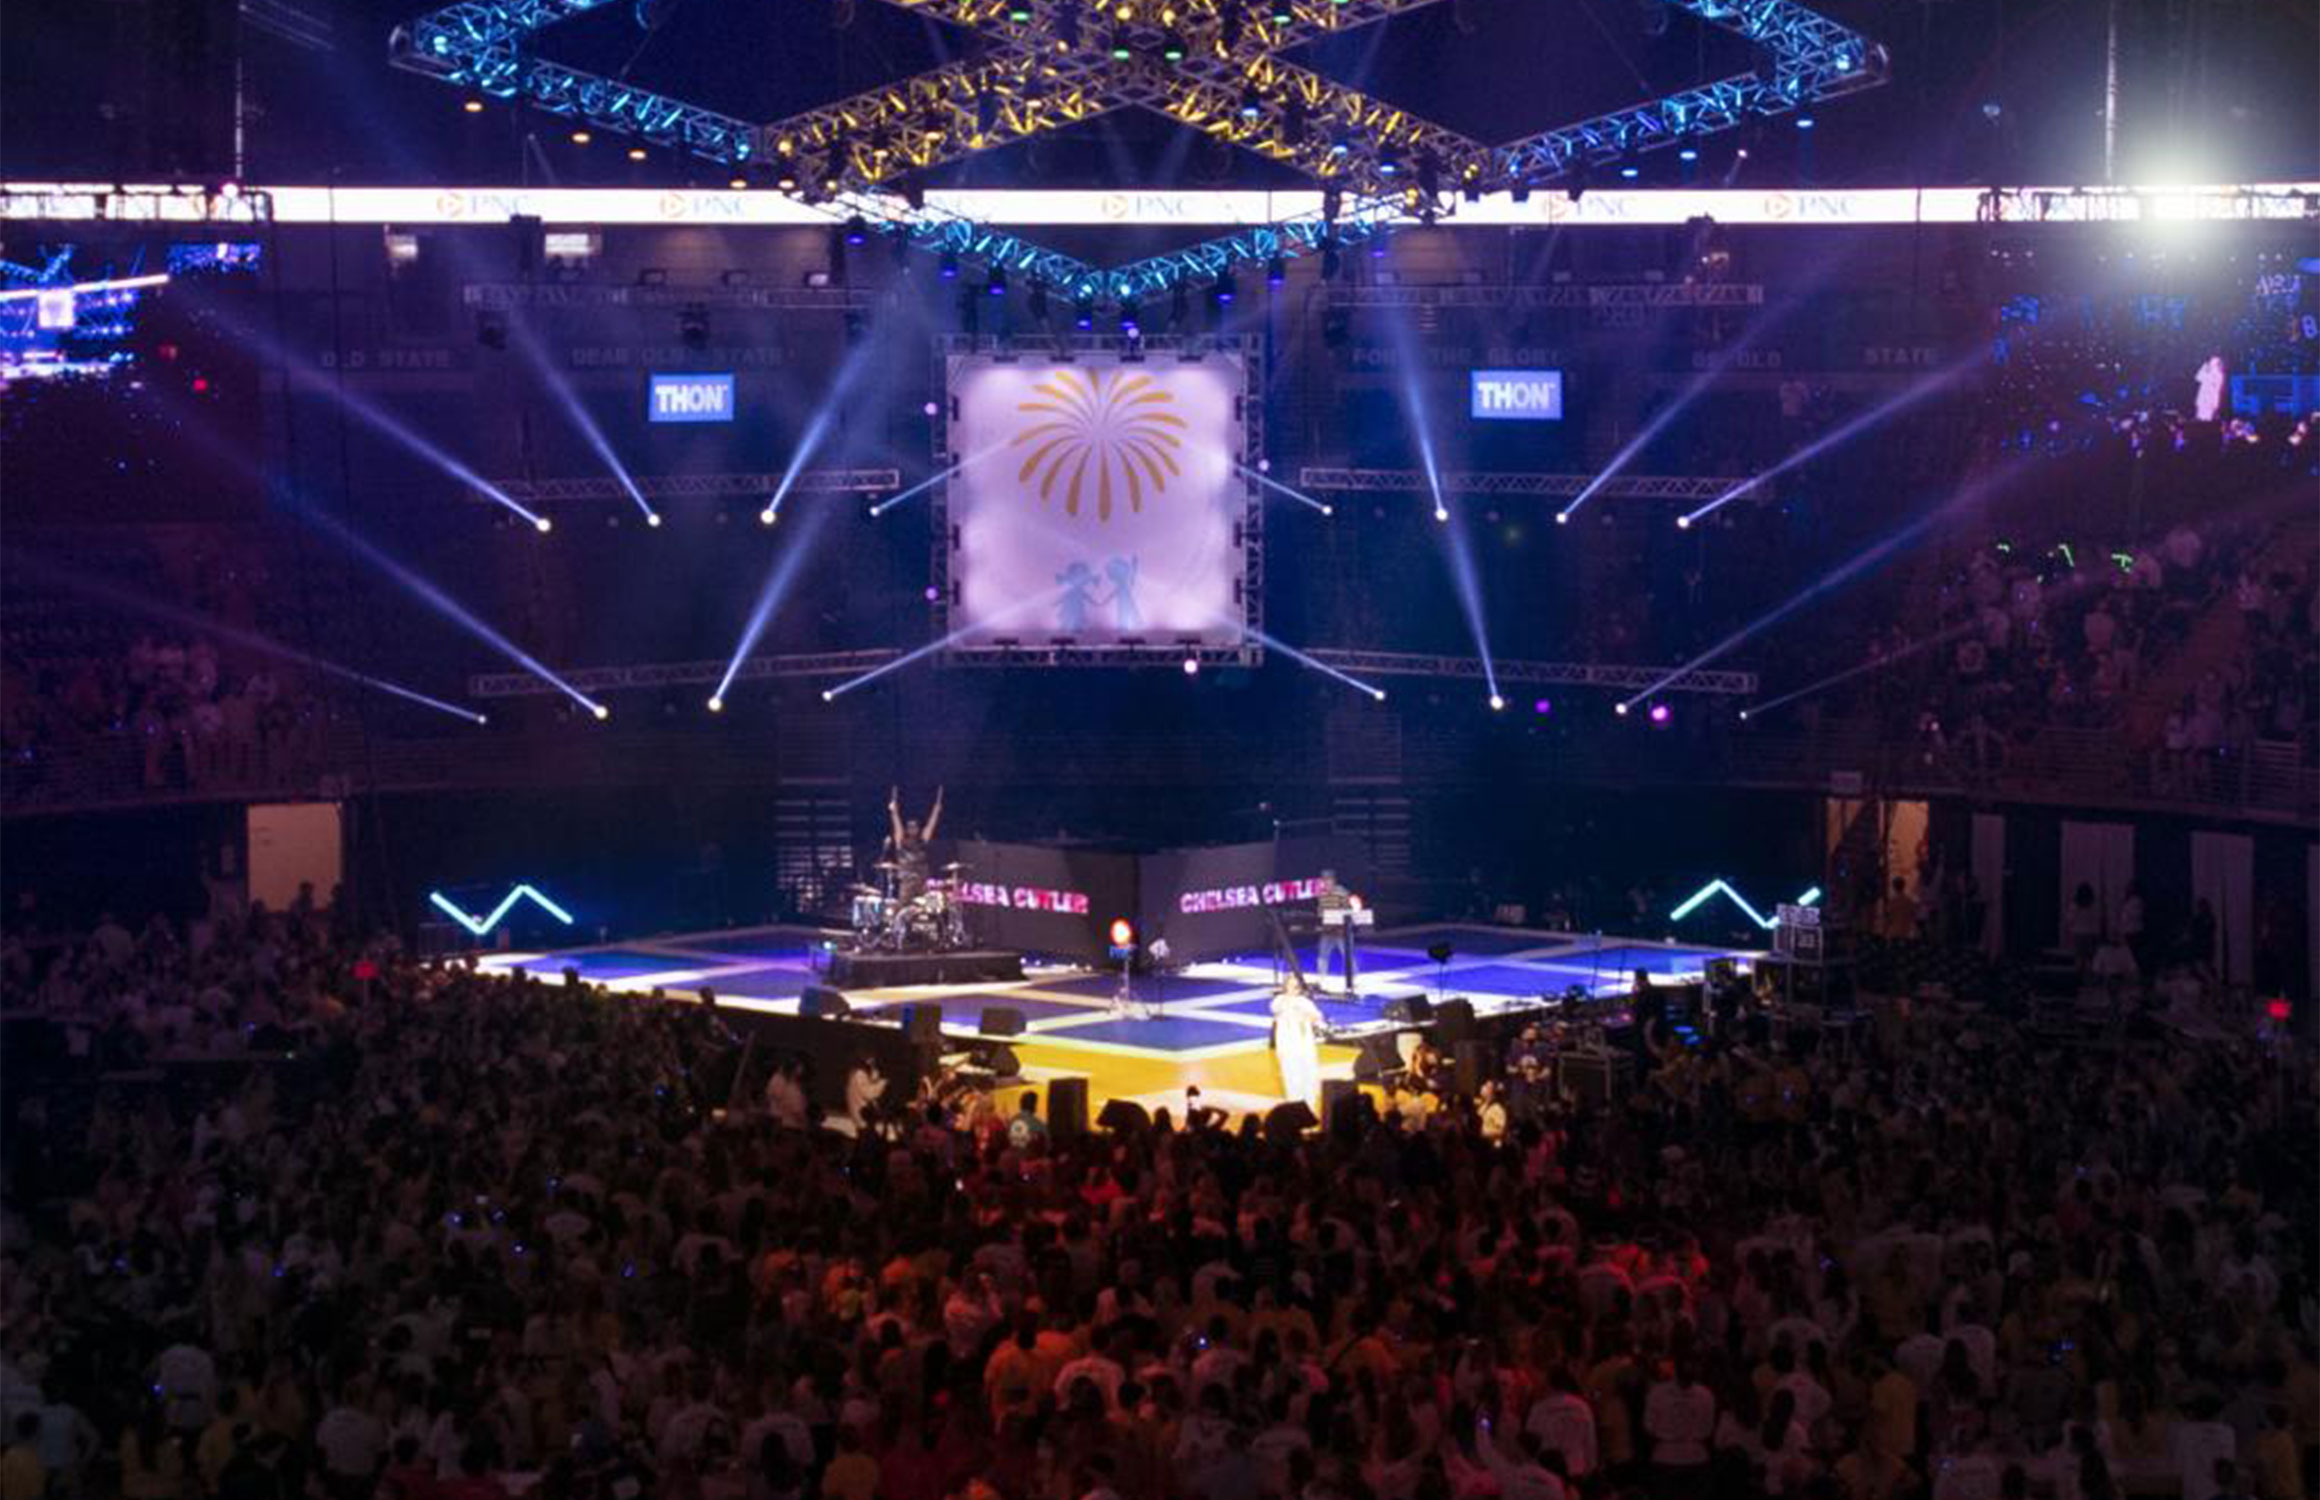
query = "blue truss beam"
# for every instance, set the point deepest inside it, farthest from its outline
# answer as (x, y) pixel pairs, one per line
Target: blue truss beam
(1278, 110)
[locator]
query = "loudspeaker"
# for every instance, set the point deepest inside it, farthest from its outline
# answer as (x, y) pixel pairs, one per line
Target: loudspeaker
(1124, 1116)
(1415, 1009)
(922, 1024)
(821, 1000)
(1340, 1100)
(1598, 1078)
(1002, 1020)
(1067, 1114)
(1285, 1122)
(1453, 1022)
(1380, 1057)
(1467, 1062)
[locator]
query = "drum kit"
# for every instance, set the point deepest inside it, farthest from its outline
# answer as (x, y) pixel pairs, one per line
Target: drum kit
(933, 921)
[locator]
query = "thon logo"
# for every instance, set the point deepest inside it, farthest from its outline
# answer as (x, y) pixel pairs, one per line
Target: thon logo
(690, 398)
(1515, 395)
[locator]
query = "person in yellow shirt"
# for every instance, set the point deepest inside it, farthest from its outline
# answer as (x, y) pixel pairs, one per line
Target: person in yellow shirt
(21, 1474)
(1892, 1424)
(2273, 1460)
(852, 1474)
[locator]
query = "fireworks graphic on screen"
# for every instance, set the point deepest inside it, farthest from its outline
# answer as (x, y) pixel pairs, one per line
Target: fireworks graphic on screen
(1100, 433)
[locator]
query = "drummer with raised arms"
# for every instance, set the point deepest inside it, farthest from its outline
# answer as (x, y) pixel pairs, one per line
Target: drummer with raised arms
(904, 854)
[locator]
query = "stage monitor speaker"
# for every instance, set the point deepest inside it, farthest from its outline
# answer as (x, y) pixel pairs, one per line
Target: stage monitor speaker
(1067, 1112)
(1453, 1021)
(1001, 1020)
(1285, 1122)
(1380, 1057)
(1417, 1010)
(1341, 1100)
(1597, 1078)
(1467, 1061)
(1124, 1116)
(922, 1024)
(823, 1001)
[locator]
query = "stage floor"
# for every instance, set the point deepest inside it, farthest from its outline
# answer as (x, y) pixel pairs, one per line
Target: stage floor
(1207, 1024)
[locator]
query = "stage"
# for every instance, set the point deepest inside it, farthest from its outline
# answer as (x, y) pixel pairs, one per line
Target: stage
(1204, 1025)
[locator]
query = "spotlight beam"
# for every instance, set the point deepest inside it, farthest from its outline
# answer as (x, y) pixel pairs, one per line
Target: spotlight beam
(1838, 576)
(1677, 407)
(921, 653)
(450, 608)
(249, 640)
(1940, 638)
(1275, 643)
(1275, 485)
(570, 401)
(1844, 433)
(374, 416)
(931, 480)
(778, 582)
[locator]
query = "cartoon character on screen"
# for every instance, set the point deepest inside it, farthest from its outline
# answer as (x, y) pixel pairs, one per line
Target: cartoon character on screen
(1123, 600)
(1078, 583)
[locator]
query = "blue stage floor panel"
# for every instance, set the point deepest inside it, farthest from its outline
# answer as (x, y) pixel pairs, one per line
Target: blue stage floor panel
(1626, 959)
(1167, 991)
(961, 1010)
(1334, 1010)
(1168, 1034)
(610, 963)
(1471, 940)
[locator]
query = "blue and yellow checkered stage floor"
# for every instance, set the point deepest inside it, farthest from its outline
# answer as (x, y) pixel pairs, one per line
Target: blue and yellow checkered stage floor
(1206, 1024)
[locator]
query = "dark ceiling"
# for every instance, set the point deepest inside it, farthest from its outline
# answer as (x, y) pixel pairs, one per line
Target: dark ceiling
(1981, 90)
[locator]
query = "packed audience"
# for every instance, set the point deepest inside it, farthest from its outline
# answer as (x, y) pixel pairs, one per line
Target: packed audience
(288, 1215)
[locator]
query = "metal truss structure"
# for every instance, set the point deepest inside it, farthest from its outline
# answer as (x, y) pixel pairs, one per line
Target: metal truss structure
(1685, 488)
(595, 680)
(1538, 673)
(1216, 66)
(510, 296)
(754, 487)
(1649, 294)
(1248, 531)
(186, 203)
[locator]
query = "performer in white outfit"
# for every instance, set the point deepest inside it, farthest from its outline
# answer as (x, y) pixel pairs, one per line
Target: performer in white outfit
(1297, 1044)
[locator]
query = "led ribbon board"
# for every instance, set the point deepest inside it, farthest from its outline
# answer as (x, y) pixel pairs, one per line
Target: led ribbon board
(1217, 66)
(478, 926)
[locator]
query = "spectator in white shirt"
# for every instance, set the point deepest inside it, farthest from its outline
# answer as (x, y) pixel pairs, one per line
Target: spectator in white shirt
(1564, 1423)
(1679, 1415)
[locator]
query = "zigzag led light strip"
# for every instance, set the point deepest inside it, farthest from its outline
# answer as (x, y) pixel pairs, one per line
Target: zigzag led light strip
(1713, 887)
(478, 926)
(1052, 63)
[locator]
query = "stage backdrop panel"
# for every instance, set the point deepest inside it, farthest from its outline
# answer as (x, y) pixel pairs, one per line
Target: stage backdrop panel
(1210, 902)
(1041, 899)
(1095, 501)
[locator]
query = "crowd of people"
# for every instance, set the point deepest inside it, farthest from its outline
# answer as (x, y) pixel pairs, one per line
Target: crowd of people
(289, 1214)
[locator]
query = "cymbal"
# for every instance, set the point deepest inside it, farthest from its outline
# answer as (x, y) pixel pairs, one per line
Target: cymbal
(860, 889)
(955, 866)
(886, 864)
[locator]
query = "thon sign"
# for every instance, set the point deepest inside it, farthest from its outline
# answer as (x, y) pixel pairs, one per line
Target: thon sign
(1516, 395)
(691, 398)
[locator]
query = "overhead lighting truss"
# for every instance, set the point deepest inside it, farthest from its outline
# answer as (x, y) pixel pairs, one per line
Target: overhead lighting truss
(753, 487)
(1216, 66)
(1685, 488)
(1527, 673)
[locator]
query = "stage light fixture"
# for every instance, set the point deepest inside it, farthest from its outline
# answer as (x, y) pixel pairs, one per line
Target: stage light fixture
(1252, 103)
(1121, 51)
(786, 182)
(1223, 289)
(768, 516)
(542, 524)
(1562, 518)
(1660, 714)
(1497, 703)
(637, 153)
(1804, 122)
(1172, 47)
(1688, 153)
(1131, 319)
(582, 137)
(1619, 709)
(1683, 523)
(1630, 171)
(1276, 271)
(995, 283)
(1282, 14)
(1019, 12)
(1083, 312)
(949, 265)
(1192, 666)
(473, 106)
(602, 712)
(716, 705)
(857, 230)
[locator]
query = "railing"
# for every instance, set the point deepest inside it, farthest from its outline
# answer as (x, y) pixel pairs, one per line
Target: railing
(2271, 781)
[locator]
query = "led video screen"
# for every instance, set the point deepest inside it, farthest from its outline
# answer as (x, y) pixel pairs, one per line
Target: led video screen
(1096, 501)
